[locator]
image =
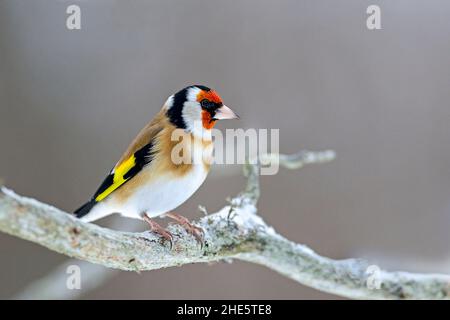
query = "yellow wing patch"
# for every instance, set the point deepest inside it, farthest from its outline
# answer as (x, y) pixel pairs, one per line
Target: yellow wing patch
(118, 178)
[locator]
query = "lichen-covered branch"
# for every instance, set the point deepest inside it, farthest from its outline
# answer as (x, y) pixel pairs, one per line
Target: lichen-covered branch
(235, 232)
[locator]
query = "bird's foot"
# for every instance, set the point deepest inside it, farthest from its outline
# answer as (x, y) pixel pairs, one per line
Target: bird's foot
(197, 232)
(156, 228)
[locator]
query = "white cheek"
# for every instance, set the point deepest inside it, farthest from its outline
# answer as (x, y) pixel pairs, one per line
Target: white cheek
(192, 116)
(192, 112)
(192, 109)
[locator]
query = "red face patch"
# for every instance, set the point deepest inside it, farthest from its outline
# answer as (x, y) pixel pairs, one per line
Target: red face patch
(207, 122)
(209, 95)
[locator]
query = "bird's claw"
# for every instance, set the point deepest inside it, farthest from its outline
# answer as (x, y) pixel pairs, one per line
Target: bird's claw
(190, 228)
(197, 232)
(166, 235)
(156, 228)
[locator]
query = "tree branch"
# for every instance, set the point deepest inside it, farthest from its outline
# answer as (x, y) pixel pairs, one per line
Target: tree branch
(235, 232)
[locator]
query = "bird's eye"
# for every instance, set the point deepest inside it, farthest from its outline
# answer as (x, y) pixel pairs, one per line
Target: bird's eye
(206, 104)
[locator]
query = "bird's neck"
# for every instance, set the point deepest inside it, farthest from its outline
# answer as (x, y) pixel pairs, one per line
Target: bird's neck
(201, 133)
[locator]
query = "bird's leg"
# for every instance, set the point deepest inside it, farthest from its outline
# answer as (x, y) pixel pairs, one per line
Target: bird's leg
(197, 232)
(155, 227)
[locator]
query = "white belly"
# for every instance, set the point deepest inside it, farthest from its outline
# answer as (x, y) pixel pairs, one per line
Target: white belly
(163, 195)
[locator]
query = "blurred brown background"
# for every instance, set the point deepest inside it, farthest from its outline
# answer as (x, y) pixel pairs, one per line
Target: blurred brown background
(70, 101)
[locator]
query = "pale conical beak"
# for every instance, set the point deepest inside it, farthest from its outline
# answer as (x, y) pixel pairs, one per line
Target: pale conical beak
(225, 113)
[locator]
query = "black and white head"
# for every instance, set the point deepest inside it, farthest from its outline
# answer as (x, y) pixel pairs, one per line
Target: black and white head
(197, 108)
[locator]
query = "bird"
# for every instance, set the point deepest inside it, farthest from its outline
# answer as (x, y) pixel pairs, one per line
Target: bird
(164, 165)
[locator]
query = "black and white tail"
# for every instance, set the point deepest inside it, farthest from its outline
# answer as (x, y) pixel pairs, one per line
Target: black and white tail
(85, 208)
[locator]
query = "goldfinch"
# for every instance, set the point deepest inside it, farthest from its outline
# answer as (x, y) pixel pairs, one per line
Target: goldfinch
(148, 180)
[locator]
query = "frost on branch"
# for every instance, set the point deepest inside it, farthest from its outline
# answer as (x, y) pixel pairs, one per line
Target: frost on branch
(235, 232)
